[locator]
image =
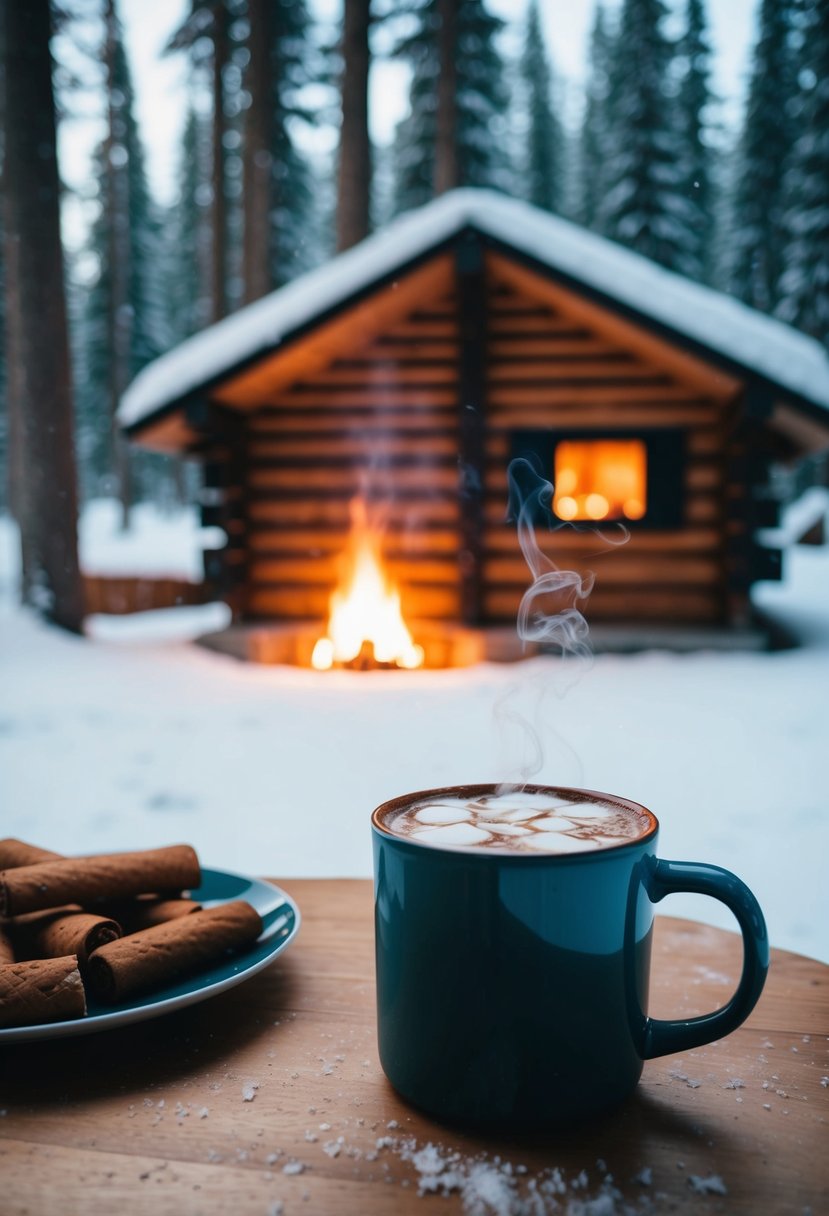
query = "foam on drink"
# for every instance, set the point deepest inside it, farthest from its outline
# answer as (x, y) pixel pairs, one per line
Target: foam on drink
(518, 821)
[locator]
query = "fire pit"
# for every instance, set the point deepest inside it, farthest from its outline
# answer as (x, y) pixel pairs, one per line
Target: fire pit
(442, 643)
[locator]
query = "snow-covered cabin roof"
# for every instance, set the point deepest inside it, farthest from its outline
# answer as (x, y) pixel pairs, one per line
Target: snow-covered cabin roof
(745, 339)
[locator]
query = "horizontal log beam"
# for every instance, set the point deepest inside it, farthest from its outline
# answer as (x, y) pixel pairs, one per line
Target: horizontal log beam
(406, 348)
(312, 603)
(579, 372)
(588, 414)
(422, 331)
(267, 541)
(504, 397)
(537, 324)
(657, 604)
(322, 420)
(699, 441)
(324, 570)
(372, 395)
(565, 539)
(619, 568)
(555, 345)
(319, 511)
(368, 447)
(387, 374)
(351, 480)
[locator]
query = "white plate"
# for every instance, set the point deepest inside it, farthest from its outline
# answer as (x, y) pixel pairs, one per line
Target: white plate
(281, 918)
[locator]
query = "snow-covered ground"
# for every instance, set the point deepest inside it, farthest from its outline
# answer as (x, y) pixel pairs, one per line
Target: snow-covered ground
(134, 738)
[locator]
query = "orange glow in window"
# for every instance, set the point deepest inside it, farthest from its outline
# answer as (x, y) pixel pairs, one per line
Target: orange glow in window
(600, 479)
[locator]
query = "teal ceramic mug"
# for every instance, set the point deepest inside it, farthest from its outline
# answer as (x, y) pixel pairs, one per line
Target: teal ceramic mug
(512, 986)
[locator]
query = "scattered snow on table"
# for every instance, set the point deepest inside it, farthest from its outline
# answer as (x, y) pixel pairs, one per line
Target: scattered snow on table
(712, 1185)
(136, 739)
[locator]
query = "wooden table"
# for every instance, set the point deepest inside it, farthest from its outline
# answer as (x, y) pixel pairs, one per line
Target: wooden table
(154, 1118)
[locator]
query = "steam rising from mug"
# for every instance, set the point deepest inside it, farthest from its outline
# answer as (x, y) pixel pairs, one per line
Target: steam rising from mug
(549, 614)
(550, 610)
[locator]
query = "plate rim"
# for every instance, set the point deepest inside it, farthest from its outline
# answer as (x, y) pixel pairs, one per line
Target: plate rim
(73, 1027)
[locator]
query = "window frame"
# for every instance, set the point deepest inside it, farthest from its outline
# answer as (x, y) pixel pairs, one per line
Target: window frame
(665, 463)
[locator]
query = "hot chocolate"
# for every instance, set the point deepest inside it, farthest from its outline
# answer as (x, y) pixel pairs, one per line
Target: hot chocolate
(518, 819)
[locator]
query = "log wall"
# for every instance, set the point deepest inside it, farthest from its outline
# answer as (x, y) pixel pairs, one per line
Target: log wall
(556, 363)
(381, 417)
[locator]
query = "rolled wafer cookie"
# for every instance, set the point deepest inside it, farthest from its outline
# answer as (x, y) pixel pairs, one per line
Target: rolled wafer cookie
(43, 990)
(14, 853)
(149, 959)
(64, 931)
(69, 880)
(132, 914)
(6, 946)
(146, 910)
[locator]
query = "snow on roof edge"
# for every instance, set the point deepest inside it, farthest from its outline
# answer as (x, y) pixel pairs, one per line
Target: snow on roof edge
(264, 324)
(719, 322)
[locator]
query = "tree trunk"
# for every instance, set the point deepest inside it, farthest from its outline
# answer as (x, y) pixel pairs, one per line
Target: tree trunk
(354, 168)
(11, 353)
(14, 440)
(120, 318)
(218, 247)
(258, 157)
(49, 509)
(447, 168)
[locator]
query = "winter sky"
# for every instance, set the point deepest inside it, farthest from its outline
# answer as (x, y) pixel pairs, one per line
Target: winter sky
(161, 93)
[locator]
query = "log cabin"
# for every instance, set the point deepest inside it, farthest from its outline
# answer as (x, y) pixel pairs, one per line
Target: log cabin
(415, 366)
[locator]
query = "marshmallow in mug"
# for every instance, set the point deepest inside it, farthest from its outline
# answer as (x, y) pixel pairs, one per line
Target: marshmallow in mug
(518, 821)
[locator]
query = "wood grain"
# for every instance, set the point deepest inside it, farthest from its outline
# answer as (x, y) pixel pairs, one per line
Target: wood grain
(151, 1118)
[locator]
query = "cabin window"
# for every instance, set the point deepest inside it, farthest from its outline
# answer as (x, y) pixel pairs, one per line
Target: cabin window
(629, 477)
(597, 479)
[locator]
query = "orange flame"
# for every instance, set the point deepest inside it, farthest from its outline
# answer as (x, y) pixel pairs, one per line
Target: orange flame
(365, 607)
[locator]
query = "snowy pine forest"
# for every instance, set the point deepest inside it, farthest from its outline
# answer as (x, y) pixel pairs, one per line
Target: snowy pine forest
(645, 161)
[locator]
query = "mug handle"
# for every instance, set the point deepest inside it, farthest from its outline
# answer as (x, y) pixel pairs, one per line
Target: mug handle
(666, 877)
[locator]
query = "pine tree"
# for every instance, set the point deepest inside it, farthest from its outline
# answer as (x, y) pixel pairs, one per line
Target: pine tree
(123, 324)
(694, 101)
(278, 190)
(544, 159)
(803, 289)
(593, 141)
(646, 207)
(757, 233)
(205, 35)
(470, 125)
(190, 293)
(292, 241)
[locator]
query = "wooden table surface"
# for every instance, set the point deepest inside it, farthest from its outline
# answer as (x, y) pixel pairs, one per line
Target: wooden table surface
(270, 1099)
